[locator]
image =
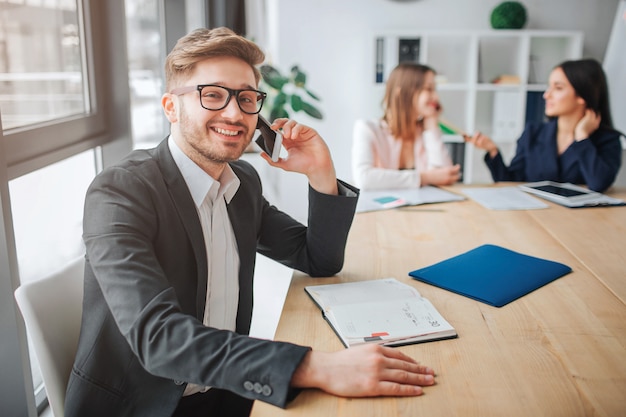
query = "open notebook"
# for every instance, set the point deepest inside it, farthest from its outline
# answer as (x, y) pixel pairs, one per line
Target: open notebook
(382, 311)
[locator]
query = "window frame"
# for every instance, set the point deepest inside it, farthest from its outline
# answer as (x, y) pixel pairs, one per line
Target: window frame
(31, 147)
(106, 129)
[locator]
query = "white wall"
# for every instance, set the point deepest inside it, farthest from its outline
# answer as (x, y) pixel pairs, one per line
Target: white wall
(615, 67)
(333, 41)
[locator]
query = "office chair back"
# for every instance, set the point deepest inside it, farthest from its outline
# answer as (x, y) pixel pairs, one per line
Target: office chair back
(52, 309)
(456, 150)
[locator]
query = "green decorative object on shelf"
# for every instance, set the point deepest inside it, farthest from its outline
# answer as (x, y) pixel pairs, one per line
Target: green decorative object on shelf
(508, 15)
(287, 93)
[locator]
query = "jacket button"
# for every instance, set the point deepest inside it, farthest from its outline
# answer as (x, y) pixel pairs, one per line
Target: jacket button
(178, 382)
(267, 390)
(248, 386)
(258, 388)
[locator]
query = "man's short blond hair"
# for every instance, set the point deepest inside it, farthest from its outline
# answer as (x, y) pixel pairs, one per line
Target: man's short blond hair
(201, 44)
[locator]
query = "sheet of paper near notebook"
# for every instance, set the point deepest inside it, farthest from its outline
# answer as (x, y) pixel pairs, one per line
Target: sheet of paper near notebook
(387, 199)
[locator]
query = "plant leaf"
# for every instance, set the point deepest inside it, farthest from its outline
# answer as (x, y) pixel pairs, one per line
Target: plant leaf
(269, 71)
(278, 112)
(296, 102)
(311, 110)
(280, 100)
(312, 94)
(273, 77)
(299, 77)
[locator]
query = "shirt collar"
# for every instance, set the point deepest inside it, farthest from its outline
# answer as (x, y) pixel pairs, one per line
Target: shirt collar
(199, 182)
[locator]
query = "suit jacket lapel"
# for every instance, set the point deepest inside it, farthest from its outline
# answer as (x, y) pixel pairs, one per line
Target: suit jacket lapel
(188, 214)
(241, 211)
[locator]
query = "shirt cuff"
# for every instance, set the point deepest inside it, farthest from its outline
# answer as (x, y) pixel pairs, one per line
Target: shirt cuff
(346, 190)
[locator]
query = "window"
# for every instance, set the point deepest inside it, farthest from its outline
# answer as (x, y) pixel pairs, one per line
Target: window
(52, 85)
(145, 72)
(64, 107)
(47, 207)
(66, 89)
(41, 65)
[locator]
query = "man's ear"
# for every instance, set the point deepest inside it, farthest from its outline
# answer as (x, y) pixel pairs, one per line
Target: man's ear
(170, 107)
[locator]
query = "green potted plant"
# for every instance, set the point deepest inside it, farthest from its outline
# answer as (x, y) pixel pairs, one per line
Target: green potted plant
(288, 94)
(508, 15)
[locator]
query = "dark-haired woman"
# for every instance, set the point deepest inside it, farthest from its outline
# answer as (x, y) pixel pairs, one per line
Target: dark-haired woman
(403, 149)
(577, 144)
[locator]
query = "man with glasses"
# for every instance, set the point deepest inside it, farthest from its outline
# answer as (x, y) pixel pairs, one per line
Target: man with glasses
(171, 236)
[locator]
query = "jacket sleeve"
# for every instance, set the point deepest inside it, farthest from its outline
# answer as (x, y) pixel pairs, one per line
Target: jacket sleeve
(516, 171)
(319, 248)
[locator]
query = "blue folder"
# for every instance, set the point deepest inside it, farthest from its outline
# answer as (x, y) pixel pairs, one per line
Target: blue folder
(491, 274)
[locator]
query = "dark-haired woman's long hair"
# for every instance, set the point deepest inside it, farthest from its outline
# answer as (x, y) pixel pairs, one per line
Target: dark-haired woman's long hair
(589, 81)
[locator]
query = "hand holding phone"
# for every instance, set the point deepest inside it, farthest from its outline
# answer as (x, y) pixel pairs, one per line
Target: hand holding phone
(269, 140)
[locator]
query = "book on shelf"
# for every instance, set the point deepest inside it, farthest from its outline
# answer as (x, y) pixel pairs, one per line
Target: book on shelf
(380, 60)
(507, 79)
(383, 311)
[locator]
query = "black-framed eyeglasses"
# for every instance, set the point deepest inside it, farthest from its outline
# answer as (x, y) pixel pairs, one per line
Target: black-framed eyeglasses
(217, 97)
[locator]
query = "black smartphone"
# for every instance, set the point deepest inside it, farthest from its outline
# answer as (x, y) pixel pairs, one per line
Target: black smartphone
(269, 140)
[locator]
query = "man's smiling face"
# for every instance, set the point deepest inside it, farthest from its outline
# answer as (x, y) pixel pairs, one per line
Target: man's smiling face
(215, 136)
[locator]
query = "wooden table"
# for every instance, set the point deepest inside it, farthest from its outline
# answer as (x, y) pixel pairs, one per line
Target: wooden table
(558, 351)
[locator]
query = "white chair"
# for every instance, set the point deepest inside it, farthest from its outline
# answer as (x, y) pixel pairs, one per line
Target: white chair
(52, 309)
(620, 181)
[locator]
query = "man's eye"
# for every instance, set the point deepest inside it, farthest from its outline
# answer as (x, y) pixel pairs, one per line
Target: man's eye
(248, 98)
(212, 94)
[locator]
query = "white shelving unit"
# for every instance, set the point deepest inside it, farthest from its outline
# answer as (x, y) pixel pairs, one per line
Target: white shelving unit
(467, 62)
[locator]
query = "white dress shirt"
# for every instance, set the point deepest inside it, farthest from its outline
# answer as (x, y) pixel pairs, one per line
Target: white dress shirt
(211, 197)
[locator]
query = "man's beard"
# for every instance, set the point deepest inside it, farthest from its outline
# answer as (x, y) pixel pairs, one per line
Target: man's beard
(197, 137)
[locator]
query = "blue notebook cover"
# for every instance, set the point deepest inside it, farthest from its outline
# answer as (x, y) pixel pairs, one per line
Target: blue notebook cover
(491, 274)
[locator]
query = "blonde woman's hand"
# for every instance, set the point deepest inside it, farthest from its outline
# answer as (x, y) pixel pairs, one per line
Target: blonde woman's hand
(441, 176)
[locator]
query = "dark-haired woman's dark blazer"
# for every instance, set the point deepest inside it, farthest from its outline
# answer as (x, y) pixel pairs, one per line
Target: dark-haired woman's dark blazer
(594, 161)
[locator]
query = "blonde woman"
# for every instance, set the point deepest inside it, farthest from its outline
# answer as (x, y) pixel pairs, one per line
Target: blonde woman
(403, 149)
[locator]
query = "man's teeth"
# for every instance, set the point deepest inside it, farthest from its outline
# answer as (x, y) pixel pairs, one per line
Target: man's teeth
(226, 132)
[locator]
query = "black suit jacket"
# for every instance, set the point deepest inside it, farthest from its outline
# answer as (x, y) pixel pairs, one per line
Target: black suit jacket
(142, 336)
